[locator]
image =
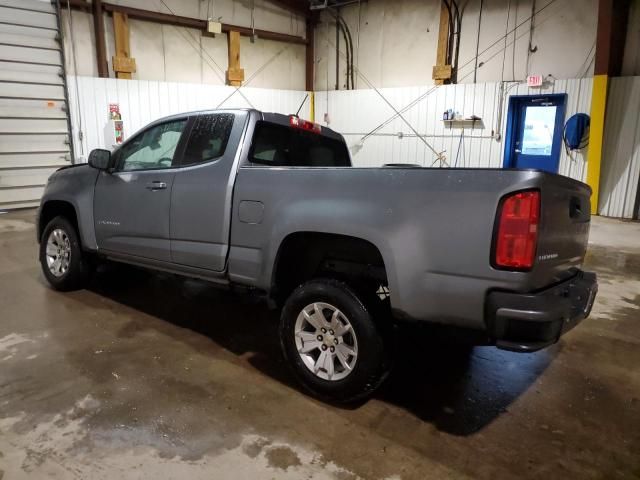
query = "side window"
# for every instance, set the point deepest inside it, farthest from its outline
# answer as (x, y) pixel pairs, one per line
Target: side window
(153, 148)
(208, 138)
(270, 145)
(281, 146)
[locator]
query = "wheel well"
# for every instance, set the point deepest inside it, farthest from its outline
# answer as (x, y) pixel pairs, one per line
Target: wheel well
(306, 255)
(55, 208)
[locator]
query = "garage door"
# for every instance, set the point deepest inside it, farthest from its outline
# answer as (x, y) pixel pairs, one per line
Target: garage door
(34, 129)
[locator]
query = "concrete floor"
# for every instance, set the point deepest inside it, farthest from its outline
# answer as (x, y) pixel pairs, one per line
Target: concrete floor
(152, 376)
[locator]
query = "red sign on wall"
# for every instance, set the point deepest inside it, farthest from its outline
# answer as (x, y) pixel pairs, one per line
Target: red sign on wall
(534, 80)
(114, 111)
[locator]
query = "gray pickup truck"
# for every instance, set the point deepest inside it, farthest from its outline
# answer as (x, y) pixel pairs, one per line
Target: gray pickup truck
(271, 202)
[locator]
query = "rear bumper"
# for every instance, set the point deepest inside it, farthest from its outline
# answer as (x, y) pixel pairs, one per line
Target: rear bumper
(528, 322)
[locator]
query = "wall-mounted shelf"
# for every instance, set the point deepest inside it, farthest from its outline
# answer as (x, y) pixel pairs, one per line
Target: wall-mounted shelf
(465, 122)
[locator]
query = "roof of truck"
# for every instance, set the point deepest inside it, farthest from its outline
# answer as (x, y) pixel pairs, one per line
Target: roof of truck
(272, 117)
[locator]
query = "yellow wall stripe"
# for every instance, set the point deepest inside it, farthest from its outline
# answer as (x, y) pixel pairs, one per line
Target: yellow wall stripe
(596, 136)
(312, 106)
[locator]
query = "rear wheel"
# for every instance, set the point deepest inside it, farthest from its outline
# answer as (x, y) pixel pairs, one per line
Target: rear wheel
(331, 341)
(61, 257)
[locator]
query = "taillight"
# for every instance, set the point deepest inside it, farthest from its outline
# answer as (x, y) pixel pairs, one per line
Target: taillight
(297, 122)
(517, 234)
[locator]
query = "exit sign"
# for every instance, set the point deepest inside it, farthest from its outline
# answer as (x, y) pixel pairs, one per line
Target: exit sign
(534, 80)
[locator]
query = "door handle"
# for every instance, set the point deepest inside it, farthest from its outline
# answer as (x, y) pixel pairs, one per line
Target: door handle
(518, 150)
(156, 186)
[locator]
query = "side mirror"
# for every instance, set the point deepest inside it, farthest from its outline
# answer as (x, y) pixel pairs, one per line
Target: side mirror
(100, 159)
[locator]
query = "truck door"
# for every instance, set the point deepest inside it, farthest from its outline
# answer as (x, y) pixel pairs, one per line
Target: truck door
(132, 203)
(202, 191)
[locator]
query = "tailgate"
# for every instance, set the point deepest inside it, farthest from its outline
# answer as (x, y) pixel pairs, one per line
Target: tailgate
(564, 228)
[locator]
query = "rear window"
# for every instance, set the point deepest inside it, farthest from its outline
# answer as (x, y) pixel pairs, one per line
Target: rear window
(280, 146)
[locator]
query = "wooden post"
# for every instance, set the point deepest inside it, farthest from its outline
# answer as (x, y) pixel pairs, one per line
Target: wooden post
(235, 74)
(123, 64)
(101, 46)
(442, 71)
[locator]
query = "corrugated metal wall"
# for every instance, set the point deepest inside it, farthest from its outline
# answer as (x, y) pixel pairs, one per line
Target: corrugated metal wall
(143, 101)
(355, 113)
(34, 136)
(621, 155)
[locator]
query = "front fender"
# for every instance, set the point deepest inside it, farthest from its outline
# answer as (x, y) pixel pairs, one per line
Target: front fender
(75, 186)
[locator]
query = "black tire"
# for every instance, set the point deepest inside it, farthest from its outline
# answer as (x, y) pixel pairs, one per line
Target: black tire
(372, 363)
(77, 273)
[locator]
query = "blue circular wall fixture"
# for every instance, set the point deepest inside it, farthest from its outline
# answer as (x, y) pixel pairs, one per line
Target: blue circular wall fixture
(576, 131)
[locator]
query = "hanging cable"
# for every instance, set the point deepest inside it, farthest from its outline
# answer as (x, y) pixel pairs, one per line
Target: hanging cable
(469, 62)
(506, 37)
(350, 42)
(326, 117)
(439, 155)
(457, 37)
(583, 71)
(501, 39)
(460, 145)
(475, 70)
(221, 76)
(531, 49)
(513, 52)
(403, 110)
(450, 36)
(254, 75)
(346, 43)
(453, 41)
(453, 37)
(337, 56)
(586, 70)
(358, 35)
(186, 37)
(253, 23)
(497, 53)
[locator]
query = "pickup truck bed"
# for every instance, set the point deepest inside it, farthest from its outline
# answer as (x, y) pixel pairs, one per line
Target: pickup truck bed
(433, 228)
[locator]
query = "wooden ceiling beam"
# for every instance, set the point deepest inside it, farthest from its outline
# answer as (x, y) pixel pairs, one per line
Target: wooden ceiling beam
(187, 22)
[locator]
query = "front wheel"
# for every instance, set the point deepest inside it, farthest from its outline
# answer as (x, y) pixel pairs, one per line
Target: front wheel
(61, 257)
(330, 339)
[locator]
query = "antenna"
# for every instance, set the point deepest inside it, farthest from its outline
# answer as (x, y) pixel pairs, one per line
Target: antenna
(302, 104)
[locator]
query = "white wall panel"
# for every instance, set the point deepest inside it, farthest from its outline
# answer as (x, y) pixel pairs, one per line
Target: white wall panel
(143, 101)
(354, 113)
(621, 151)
